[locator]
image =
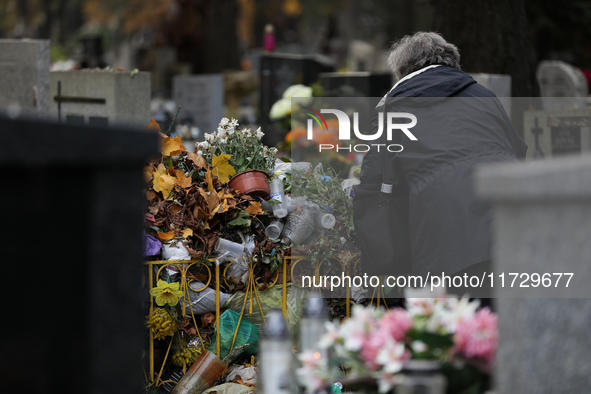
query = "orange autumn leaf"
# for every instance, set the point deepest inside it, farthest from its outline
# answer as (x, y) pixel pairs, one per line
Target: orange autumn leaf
(187, 232)
(254, 208)
(153, 125)
(182, 180)
(166, 236)
(163, 183)
(172, 146)
(198, 160)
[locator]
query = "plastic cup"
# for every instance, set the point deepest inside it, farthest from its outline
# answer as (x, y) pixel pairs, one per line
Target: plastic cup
(299, 226)
(274, 229)
(278, 194)
(234, 249)
(325, 221)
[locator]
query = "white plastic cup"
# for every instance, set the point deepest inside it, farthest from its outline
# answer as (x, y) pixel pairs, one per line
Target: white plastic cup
(274, 229)
(234, 249)
(325, 221)
(278, 194)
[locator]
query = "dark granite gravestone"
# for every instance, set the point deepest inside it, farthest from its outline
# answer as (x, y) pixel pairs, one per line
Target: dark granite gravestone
(72, 248)
(278, 72)
(356, 84)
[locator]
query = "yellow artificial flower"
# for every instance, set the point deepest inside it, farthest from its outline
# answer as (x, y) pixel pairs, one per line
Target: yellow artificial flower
(166, 293)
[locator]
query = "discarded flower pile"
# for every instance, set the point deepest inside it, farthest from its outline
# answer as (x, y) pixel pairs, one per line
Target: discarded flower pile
(376, 343)
(189, 207)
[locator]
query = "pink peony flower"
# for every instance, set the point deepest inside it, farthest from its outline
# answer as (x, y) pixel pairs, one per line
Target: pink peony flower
(396, 322)
(477, 337)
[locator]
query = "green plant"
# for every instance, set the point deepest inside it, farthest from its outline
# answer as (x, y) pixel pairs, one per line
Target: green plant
(244, 146)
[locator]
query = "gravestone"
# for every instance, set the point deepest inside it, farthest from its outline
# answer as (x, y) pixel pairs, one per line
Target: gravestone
(24, 76)
(101, 97)
(542, 224)
(356, 84)
(499, 84)
(362, 56)
(554, 133)
(75, 245)
(562, 86)
(278, 71)
(202, 98)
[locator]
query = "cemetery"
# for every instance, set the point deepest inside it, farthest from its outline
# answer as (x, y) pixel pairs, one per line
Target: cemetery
(176, 223)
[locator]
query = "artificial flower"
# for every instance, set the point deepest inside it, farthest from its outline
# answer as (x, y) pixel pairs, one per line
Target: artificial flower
(161, 323)
(166, 293)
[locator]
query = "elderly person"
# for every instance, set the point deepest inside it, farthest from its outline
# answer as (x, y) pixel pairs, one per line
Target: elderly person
(460, 124)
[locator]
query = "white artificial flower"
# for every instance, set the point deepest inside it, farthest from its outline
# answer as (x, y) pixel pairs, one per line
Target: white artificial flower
(246, 132)
(259, 133)
(204, 145)
(231, 131)
(199, 153)
(223, 140)
(221, 133)
(274, 150)
(234, 123)
(280, 109)
(390, 356)
(224, 122)
(297, 91)
(209, 137)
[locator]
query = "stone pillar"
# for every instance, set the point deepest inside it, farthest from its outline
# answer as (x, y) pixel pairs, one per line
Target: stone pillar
(542, 224)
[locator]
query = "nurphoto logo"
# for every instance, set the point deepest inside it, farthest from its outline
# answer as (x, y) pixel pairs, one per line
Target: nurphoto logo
(345, 129)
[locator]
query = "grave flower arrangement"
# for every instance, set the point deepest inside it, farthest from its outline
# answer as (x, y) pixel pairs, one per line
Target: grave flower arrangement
(376, 343)
(242, 148)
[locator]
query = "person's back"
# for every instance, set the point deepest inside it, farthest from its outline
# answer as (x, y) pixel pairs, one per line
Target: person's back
(460, 125)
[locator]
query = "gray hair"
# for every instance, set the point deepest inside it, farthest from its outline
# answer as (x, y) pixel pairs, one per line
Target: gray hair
(422, 49)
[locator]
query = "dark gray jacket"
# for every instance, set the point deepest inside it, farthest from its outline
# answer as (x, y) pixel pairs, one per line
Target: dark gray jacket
(460, 124)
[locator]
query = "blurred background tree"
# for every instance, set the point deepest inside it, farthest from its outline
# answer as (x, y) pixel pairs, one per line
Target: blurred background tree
(494, 36)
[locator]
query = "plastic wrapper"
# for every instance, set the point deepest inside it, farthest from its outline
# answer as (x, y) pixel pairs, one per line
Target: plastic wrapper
(247, 374)
(230, 388)
(204, 301)
(248, 334)
(272, 298)
(348, 184)
(175, 250)
(152, 245)
(292, 168)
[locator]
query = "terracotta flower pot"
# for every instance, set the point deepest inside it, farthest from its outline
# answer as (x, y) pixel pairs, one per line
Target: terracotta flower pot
(254, 182)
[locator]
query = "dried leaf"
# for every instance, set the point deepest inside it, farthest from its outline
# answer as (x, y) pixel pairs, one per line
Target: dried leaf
(163, 183)
(174, 209)
(222, 168)
(198, 160)
(150, 195)
(172, 146)
(166, 236)
(209, 180)
(212, 200)
(187, 232)
(254, 208)
(153, 125)
(182, 180)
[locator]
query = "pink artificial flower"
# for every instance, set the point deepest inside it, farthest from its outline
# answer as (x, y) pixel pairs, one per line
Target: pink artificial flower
(374, 342)
(396, 322)
(477, 337)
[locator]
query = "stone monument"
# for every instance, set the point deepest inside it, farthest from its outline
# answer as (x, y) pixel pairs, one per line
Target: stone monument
(542, 225)
(24, 77)
(101, 97)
